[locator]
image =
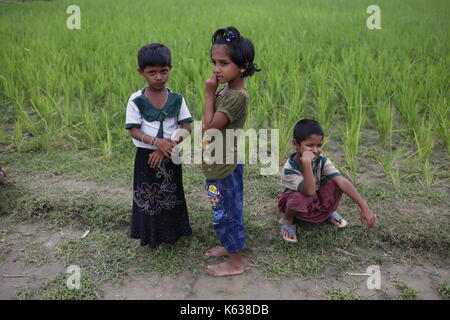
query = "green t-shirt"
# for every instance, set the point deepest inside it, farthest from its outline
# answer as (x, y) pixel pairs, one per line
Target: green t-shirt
(234, 103)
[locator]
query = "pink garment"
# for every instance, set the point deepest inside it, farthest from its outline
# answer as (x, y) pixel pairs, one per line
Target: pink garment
(312, 209)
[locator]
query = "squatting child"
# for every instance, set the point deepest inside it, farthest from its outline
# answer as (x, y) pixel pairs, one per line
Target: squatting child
(311, 186)
(154, 113)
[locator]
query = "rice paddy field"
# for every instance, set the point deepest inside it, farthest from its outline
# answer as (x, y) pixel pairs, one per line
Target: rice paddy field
(381, 95)
(68, 88)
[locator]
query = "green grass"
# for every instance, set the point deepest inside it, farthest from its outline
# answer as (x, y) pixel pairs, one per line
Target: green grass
(381, 96)
(444, 290)
(34, 255)
(108, 254)
(339, 294)
(406, 292)
(72, 90)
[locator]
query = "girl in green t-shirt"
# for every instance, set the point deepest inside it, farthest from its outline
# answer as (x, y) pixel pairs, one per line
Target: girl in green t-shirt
(232, 56)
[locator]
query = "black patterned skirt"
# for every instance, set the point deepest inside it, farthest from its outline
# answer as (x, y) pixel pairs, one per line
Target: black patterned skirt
(160, 212)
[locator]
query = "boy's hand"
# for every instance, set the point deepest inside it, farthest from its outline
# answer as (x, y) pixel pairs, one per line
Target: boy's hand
(166, 146)
(307, 157)
(211, 85)
(368, 217)
(155, 159)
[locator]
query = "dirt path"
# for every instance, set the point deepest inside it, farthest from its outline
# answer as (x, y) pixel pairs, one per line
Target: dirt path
(19, 271)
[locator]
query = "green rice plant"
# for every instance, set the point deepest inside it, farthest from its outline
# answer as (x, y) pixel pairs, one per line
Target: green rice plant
(3, 136)
(323, 64)
(18, 132)
(429, 174)
(424, 143)
(409, 106)
(441, 117)
(384, 115)
(352, 136)
(107, 145)
(424, 140)
(390, 162)
(325, 110)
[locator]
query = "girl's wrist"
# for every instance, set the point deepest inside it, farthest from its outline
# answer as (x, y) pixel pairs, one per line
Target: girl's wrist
(210, 92)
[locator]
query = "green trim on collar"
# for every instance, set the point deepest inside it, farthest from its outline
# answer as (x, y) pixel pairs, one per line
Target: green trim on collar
(316, 164)
(293, 163)
(150, 113)
(132, 125)
(187, 120)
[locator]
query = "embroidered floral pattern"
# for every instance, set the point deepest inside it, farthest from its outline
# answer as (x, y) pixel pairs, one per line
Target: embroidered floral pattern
(157, 196)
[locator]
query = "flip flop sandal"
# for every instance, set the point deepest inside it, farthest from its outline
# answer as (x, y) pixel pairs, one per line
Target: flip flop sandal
(337, 220)
(292, 232)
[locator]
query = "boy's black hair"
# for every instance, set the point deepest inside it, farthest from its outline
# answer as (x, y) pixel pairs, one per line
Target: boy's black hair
(154, 54)
(305, 128)
(240, 49)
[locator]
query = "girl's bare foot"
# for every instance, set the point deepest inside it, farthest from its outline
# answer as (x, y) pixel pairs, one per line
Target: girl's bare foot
(217, 252)
(225, 269)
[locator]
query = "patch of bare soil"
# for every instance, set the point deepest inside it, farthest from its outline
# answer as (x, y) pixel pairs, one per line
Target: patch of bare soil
(15, 273)
(252, 285)
(20, 267)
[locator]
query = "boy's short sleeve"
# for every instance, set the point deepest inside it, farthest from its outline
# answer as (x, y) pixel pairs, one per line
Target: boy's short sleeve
(291, 180)
(233, 104)
(133, 116)
(184, 116)
(329, 170)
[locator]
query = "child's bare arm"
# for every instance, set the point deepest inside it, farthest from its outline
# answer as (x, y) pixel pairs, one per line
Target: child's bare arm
(165, 145)
(186, 126)
(182, 134)
(212, 119)
(309, 183)
(349, 189)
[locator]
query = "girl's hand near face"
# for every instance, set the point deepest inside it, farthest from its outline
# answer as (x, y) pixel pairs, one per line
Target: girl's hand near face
(211, 85)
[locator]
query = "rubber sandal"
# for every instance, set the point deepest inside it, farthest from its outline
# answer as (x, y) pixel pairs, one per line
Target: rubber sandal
(292, 232)
(336, 220)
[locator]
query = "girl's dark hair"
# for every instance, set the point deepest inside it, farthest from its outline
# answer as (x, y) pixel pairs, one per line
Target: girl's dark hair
(154, 54)
(240, 49)
(305, 128)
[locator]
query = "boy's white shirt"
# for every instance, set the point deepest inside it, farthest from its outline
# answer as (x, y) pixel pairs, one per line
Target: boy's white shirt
(151, 128)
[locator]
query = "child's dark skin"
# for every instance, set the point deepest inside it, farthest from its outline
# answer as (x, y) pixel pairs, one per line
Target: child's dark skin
(307, 152)
(224, 71)
(156, 92)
